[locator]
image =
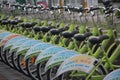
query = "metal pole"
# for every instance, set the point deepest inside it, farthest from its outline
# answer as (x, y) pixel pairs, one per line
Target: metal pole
(65, 2)
(49, 3)
(85, 3)
(61, 3)
(35, 2)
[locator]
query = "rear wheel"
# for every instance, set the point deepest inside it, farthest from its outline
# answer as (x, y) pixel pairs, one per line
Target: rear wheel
(67, 76)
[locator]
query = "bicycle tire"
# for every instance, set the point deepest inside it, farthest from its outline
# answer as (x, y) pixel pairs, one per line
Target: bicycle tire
(14, 61)
(31, 69)
(66, 76)
(8, 58)
(2, 55)
(21, 66)
(41, 74)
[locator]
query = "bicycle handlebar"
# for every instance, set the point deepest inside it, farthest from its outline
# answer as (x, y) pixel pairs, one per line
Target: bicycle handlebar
(116, 9)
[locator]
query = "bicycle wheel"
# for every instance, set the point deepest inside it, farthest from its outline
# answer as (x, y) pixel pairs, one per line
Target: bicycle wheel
(22, 64)
(2, 55)
(40, 71)
(8, 58)
(67, 75)
(14, 61)
(31, 68)
(52, 72)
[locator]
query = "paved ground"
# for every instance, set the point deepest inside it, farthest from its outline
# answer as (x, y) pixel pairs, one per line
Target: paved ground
(2, 77)
(6, 73)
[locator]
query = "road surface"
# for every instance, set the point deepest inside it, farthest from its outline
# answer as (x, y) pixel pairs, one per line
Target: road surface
(7, 73)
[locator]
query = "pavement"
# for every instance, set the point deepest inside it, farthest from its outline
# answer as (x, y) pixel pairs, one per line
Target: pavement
(7, 73)
(2, 77)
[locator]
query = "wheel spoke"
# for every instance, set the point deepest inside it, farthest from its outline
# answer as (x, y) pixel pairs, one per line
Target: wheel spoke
(33, 71)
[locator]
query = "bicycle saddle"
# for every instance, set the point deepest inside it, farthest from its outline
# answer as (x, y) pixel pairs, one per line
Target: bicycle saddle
(36, 28)
(98, 39)
(67, 34)
(2, 20)
(30, 24)
(57, 31)
(103, 37)
(22, 25)
(13, 22)
(54, 31)
(87, 34)
(79, 37)
(20, 21)
(51, 27)
(75, 32)
(82, 37)
(62, 29)
(46, 29)
(5, 22)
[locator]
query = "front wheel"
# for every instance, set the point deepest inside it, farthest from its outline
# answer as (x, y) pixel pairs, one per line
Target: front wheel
(66, 76)
(77, 75)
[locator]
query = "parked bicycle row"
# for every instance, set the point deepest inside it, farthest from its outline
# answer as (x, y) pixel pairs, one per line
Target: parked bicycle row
(58, 51)
(67, 13)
